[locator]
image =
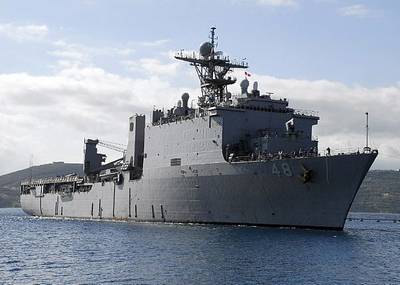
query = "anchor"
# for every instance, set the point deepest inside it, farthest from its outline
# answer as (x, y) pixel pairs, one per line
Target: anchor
(306, 175)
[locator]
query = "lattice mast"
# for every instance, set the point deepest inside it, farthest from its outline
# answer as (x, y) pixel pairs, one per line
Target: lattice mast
(212, 68)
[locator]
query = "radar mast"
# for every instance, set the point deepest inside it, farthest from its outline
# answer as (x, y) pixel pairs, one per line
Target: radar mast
(212, 68)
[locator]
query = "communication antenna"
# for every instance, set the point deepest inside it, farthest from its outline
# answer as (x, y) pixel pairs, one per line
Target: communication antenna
(366, 148)
(212, 36)
(366, 128)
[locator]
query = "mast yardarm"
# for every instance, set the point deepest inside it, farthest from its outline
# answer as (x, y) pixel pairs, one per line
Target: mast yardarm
(213, 70)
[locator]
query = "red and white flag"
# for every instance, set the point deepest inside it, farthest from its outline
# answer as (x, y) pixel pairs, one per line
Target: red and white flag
(247, 74)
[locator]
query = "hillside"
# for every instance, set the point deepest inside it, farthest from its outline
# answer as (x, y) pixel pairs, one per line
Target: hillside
(9, 183)
(379, 193)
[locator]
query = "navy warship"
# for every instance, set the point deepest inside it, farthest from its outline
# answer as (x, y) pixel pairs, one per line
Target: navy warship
(243, 158)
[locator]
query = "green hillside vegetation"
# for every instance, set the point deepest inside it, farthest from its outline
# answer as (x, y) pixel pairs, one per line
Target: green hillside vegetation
(379, 193)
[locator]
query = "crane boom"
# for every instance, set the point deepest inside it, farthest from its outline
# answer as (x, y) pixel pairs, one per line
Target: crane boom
(114, 146)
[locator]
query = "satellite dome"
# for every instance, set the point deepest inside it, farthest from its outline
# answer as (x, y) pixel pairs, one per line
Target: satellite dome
(206, 49)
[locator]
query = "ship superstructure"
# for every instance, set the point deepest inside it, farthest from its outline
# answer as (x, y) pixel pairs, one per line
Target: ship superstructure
(243, 159)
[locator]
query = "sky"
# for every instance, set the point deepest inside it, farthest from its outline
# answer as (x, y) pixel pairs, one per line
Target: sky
(78, 69)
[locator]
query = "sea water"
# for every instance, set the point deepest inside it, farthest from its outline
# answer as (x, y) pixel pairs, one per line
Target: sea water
(61, 251)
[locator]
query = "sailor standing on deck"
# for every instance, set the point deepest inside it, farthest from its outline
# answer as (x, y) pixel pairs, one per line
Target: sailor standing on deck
(328, 151)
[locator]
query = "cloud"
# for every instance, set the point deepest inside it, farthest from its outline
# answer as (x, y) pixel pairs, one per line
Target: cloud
(71, 54)
(24, 32)
(358, 10)
(155, 43)
(52, 114)
(152, 66)
(48, 116)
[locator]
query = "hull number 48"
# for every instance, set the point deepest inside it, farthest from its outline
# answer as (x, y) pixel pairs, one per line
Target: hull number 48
(281, 169)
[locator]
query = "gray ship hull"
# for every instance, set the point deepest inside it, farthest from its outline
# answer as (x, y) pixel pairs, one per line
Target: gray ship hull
(268, 193)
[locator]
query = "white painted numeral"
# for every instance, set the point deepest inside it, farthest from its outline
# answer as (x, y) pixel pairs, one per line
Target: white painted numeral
(285, 169)
(275, 170)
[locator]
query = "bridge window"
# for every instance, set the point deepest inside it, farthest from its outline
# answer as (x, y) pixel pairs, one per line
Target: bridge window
(131, 127)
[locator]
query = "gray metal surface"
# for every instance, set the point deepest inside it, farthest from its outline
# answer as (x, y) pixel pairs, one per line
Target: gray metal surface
(247, 159)
(241, 193)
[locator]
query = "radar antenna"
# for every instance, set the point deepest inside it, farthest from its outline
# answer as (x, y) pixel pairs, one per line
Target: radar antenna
(212, 68)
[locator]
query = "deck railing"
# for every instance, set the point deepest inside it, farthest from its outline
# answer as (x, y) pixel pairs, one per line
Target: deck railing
(52, 180)
(309, 113)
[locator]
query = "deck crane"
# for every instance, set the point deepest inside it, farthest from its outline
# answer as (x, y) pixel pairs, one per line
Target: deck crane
(112, 145)
(94, 161)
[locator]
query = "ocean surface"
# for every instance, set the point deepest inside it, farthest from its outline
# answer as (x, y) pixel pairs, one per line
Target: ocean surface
(59, 251)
